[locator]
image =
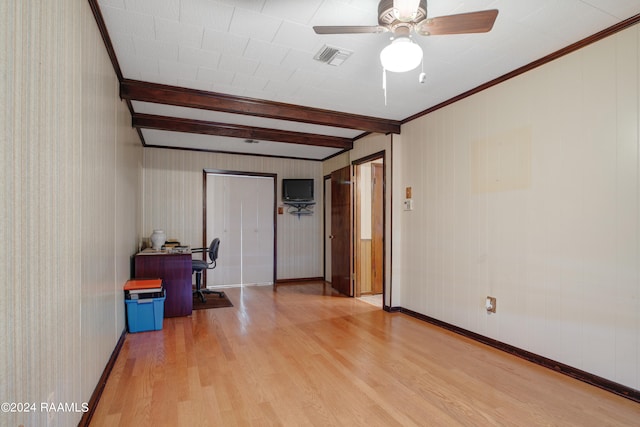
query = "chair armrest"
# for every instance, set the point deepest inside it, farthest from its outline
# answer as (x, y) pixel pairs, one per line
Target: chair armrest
(196, 250)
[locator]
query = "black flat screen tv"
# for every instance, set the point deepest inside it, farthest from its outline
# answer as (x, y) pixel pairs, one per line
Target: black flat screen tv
(297, 190)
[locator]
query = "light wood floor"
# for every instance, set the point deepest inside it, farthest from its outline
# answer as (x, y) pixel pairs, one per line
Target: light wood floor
(305, 356)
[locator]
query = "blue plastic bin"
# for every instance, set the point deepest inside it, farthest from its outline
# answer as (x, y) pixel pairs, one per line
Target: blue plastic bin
(145, 314)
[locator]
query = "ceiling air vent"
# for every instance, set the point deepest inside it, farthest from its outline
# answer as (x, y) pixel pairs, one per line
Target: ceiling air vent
(332, 55)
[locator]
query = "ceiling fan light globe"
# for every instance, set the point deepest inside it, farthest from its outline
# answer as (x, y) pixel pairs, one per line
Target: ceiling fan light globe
(401, 55)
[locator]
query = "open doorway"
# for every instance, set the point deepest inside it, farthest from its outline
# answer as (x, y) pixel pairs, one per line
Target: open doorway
(369, 229)
(355, 228)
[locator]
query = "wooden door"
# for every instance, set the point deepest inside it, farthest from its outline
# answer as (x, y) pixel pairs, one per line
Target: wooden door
(341, 253)
(377, 228)
(327, 231)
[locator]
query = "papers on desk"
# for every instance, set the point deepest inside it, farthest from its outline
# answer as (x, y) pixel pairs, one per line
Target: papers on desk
(149, 251)
(179, 250)
(174, 247)
(166, 250)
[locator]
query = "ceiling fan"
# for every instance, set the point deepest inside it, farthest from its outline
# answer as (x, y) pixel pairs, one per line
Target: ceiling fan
(401, 18)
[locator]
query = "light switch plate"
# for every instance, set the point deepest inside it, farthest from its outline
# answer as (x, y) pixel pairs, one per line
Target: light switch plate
(490, 304)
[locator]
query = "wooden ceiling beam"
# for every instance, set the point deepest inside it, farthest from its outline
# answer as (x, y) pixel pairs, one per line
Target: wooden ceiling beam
(173, 124)
(134, 90)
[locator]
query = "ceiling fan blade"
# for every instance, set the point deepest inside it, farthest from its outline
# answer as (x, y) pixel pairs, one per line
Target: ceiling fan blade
(349, 29)
(464, 23)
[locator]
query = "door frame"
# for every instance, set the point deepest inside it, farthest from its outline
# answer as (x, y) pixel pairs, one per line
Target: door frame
(375, 156)
(274, 177)
(380, 155)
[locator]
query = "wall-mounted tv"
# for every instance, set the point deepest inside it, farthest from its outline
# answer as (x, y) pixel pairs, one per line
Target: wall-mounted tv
(297, 190)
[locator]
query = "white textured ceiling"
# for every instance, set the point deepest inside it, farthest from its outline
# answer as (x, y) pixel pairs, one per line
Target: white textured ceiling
(264, 49)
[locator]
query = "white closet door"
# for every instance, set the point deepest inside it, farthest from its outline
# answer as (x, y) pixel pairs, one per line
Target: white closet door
(257, 234)
(222, 223)
(240, 214)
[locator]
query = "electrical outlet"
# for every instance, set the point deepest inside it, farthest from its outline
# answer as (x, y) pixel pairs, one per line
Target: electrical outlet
(490, 304)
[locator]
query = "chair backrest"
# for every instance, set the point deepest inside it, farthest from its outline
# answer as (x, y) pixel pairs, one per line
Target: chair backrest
(213, 250)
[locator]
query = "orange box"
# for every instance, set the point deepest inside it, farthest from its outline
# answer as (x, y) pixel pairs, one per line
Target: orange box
(143, 284)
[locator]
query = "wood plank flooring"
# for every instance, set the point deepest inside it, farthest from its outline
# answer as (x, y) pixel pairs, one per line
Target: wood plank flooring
(304, 356)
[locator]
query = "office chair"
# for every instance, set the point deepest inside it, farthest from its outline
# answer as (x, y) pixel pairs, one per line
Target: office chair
(199, 265)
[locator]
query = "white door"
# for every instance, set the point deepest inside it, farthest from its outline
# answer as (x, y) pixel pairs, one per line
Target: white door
(240, 213)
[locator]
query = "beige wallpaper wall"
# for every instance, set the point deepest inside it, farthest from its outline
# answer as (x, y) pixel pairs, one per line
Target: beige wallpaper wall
(69, 187)
(111, 171)
(530, 192)
(173, 201)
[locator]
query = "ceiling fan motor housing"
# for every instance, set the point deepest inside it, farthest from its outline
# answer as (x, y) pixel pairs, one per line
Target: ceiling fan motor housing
(387, 18)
